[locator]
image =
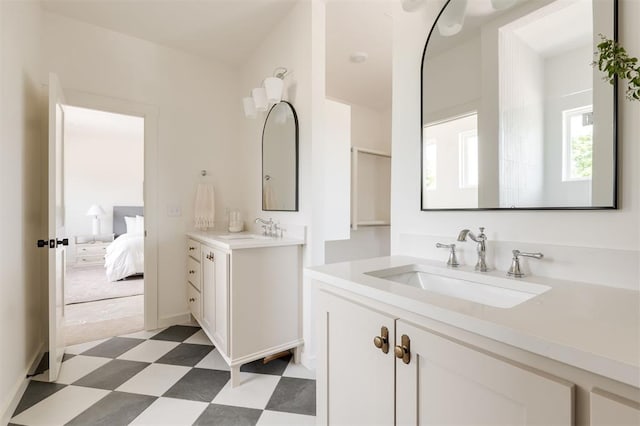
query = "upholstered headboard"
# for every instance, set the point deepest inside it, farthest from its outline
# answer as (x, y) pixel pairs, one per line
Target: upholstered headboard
(119, 212)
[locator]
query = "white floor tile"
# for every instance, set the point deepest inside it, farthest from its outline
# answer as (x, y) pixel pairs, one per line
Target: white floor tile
(200, 338)
(144, 334)
(60, 407)
(155, 380)
(213, 361)
(75, 368)
(170, 411)
(81, 347)
(149, 351)
(299, 371)
(275, 418)
(254, 391)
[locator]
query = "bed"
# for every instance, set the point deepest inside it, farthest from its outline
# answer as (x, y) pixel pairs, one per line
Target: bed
(125, 255)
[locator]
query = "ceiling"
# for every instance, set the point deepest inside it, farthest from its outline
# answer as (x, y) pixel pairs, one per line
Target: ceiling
(354, 26)
(230, 30)
(227, 30)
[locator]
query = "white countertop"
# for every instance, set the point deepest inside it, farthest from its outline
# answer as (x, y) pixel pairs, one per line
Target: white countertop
(592, 327)
(218, 240)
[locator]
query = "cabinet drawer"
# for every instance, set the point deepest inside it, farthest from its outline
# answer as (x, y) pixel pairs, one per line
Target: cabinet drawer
(89, 260)
(193, 249)
(193, 271)
(194, 301)
(85, 249)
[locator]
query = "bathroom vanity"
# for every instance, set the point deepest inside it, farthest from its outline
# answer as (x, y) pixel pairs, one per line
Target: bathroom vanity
(244, 290)
(403, 340)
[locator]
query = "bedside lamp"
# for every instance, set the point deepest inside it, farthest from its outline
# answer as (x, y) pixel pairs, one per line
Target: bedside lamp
(96, 211)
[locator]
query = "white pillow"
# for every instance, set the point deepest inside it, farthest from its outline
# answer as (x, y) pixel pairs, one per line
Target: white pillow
(131, 223)
(140, 224)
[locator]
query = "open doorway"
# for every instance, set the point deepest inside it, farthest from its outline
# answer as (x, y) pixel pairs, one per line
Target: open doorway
(104, 215)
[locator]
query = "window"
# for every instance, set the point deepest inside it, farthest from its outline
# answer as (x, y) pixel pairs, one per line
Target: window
(430, 160)
(468, 159)
(577, 143)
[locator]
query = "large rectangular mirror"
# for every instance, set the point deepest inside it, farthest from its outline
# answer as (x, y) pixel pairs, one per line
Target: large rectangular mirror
(514, 116)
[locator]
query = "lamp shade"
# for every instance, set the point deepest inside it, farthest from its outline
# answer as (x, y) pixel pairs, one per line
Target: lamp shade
(95, 210)
(273, 89)
(259, 96)
(249, 107)
(452, 19)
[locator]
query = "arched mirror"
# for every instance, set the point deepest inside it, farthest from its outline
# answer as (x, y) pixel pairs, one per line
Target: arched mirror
(514, 116)
(280, 159)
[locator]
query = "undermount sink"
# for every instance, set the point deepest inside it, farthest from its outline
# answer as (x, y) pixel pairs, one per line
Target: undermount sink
(242, 237)
(485, 289)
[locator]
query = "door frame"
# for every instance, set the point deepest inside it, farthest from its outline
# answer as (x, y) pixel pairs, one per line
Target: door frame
(150, 186)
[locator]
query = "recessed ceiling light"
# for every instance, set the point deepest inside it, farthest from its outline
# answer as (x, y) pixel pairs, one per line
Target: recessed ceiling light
(358, 57)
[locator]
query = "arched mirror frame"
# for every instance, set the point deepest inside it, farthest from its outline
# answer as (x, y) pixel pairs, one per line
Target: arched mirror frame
(297, 159)
(614, 204)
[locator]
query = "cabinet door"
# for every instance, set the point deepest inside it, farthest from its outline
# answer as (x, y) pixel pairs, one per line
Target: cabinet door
(355, 378)
(448, 383)
(221, 288)
(608, 409)
(208, 293)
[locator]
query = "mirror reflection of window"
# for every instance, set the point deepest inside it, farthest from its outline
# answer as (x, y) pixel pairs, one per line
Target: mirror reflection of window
(450, 161)
(577, 143)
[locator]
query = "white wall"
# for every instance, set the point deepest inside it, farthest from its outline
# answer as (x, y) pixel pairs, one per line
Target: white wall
(199, 113)
(370, 128)
(104, 165)
(21, 173)
(296, 43)
(593, 246)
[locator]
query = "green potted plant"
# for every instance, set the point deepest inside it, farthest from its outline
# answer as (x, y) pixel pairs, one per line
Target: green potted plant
(613, 59)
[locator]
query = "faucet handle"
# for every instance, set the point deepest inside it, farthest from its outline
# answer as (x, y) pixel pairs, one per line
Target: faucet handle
(514, 269)
(453, 260)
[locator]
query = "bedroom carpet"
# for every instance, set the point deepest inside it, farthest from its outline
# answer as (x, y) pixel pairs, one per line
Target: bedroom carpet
(87, 284)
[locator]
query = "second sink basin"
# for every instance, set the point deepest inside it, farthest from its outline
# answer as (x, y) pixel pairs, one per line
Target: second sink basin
(487, 290)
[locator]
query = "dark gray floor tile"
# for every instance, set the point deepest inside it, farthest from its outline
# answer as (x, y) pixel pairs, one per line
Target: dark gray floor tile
(113, 347)
(294, 396)
(36, 392)
(112, 374)
(117, 408)
(185, 354)
(176, 333)
(43, 365)
(275, 367)
(227, 415)
(199, 384)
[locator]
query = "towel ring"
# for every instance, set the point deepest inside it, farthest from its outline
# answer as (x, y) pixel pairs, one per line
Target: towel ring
(203, 172)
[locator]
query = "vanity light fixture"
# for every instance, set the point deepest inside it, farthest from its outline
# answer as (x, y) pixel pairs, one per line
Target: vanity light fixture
(270, 93)
(452, 19)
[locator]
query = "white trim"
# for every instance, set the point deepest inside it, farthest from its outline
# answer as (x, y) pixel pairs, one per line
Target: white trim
(9, 407)
(309, 361)
(184, 318)
(150, 114)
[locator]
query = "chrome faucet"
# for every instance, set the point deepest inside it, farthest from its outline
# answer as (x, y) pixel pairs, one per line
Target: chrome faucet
(267, 226)
(514, 270)
(481, 264)
(453, 260)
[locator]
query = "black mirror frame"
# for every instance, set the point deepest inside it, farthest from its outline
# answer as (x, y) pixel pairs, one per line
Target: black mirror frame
(616, 161)
(295, 119)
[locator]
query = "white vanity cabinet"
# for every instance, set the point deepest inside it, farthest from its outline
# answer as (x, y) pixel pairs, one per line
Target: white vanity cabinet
(441, 382)
(245, 294)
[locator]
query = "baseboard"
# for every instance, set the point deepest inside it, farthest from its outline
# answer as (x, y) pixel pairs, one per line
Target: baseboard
(308, 361)
(8, 407)
(174, 320)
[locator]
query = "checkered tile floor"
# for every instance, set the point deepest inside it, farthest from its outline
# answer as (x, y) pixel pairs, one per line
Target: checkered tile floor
(173, 376)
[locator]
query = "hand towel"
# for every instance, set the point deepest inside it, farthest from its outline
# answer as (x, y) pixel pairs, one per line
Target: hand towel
(205, 207)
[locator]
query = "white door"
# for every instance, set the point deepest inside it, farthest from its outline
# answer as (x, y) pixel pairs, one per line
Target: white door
(208, 290)
(447, 383)
(221, 261)
(57, 238)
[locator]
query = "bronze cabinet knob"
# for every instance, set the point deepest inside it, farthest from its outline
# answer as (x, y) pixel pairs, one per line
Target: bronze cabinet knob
(399, 351)
(403, 351)
(382, 341)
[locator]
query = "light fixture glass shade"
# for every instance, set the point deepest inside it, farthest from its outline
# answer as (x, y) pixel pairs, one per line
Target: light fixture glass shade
(273, 88)
(95, 210)
(249, 107)
(452, 19)
(259, 96)
(502, 4)
(412, 5)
